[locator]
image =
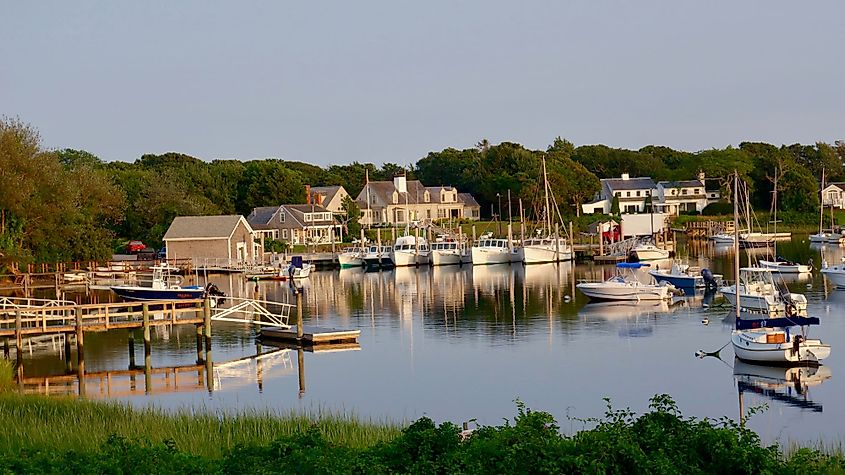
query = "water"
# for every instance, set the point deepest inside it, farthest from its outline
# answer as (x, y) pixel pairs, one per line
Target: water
(464, 343)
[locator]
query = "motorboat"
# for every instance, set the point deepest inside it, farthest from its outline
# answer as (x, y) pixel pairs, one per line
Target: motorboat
(351, 257)
(759, 293)
(541, 250)
(411, 250)
(819, 237)
(298, 269)
(444, 253)
(648, 252)
(723, 238)
(835, 274)
(161, 285)
(626, 286)
(378, 257)
(785, 266)
(686, 277)
(769, 341)
(495, 251)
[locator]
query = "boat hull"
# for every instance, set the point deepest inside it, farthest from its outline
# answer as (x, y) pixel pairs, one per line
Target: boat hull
(651, 254)
(484, 256)
(410, 259)
(683, 281)
(347, 261)
(747, 348)
(141, 293)
(544, 254)
(610, 291)
(785, 267)
(449, 258)
(836, 275)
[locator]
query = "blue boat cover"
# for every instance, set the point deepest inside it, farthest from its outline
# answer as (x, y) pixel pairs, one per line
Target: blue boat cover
(296, 261)
(632, 265)
(747, 324)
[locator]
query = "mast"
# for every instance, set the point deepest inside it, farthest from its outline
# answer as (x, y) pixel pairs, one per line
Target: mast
(367, 186)
(547, 222)
(736, 241)
(775, 214)
(821, 203)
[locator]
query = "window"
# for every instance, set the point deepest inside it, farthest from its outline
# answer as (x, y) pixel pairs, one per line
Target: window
(619, 193)
(627, 193)
(684, 191)
(647, 193)
(282, 217)
(674, 192)
(284, 233)
(697, 191)
(638, 192)
(428, 213)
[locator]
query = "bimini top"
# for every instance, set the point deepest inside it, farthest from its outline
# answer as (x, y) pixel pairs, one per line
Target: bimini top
(632, 265)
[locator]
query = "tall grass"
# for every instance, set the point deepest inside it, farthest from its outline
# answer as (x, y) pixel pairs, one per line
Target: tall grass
(36, 422)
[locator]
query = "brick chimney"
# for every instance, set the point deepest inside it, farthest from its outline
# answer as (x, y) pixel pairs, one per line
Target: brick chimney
(308, 194)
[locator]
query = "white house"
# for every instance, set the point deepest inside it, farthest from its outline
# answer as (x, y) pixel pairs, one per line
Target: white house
(671, 197)
(675, 197)
(834, 195)
(632, 194)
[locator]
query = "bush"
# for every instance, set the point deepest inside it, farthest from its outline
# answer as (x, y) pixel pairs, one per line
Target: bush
(718, 209)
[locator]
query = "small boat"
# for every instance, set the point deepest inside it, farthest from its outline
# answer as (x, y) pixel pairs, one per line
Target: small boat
(162, 286)
(819, 237)
(648, 252)
(769, 341)
(759, 293)
(351, 257)
(547, 249)
(686, 277)
(625, 286)
(836, 237)
(411, 250)
(495, 251)
(299, 269)
(785, 266)
(836, 275)
(451, 252)
(723, 238)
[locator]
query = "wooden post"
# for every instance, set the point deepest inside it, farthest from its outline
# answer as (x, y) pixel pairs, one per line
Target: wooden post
(68, 364)
(131, 349)
(209, 371)
(299, 330)
(145, 312)
(19, 335)
(80, 350)
(571, 244)
(207, 324)
(148, 372)
(601, 239)
(199, 344)
(331, 238)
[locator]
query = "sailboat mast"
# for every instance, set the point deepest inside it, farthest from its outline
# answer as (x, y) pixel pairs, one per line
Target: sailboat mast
(821, 204)
(775, 206)
(736, 241)
(369, 211)
(548, 219)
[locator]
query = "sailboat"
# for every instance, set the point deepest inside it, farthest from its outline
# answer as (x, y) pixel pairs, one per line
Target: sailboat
(780, 264)
(547, 245)
(758, 336)
(821, 236)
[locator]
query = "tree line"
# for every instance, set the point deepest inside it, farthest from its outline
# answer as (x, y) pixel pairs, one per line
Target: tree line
(59, 205)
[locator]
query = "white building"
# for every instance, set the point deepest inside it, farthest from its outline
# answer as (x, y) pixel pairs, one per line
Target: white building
(634, 194)
(834, 195)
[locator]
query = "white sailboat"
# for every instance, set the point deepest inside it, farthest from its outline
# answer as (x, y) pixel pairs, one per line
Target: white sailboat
(780, 264)
(760, 336)
(821, 236)
(547, 245)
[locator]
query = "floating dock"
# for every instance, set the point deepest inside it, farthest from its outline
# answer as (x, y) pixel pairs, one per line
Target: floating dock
(313, 336)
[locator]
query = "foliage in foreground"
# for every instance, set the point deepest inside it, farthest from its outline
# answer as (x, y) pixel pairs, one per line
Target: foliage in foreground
(660, 441)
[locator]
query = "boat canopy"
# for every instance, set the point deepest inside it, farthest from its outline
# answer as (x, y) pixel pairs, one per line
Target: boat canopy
(632, 265)
(748, 324)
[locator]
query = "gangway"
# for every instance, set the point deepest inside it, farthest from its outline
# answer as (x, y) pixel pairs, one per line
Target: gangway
(256, 312)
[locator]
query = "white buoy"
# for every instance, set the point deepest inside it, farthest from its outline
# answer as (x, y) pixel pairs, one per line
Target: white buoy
(705, 321)
(566, 299)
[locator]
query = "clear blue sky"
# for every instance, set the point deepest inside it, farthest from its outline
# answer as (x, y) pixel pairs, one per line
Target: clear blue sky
(334, 82)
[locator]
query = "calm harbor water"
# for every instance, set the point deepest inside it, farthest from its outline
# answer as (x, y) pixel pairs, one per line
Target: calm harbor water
(464, 343)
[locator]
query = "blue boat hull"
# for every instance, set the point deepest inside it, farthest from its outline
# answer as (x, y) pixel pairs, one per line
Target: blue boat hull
(140, 293)
(684, 282)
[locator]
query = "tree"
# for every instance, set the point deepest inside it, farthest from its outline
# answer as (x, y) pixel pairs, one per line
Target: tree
(614, 207)
(351, 216)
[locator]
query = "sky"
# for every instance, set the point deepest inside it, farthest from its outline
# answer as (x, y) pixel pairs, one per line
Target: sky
(390, 81)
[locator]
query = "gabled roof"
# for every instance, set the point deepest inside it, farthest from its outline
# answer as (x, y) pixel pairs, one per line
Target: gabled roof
(328, 192)
(204, 227)
(838, 184)
(262, 215)
(639, 183)
(468, 200)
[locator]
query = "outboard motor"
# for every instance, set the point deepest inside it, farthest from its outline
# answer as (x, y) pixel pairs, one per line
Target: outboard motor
(709, 280)
(215, 293)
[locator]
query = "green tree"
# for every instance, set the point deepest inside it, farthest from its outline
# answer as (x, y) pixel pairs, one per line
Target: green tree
(351, 217)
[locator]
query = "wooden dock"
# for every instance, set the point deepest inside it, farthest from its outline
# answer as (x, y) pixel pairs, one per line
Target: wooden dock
(311, 336)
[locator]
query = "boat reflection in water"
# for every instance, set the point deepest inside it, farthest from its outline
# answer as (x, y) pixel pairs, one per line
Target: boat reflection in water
(787, 385)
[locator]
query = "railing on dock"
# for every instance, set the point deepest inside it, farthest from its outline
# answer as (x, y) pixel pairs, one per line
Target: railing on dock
(253, 311)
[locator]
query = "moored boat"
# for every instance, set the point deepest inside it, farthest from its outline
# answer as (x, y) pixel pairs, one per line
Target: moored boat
(411, 251)
(626, 286)
(351, 257)
(445, 253)
(495, 251)
(162, 286)
(649, 252)
(686, 277)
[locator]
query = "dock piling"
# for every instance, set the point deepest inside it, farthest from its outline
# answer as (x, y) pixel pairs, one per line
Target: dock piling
(207, 324)
(146, 323)
(299, 329)
(199, 344)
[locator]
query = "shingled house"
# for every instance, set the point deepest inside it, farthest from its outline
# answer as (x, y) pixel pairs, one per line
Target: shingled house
(401, 202)
(296, 224)
(220, 238)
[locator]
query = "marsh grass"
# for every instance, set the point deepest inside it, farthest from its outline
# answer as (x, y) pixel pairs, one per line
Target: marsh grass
(63, 424)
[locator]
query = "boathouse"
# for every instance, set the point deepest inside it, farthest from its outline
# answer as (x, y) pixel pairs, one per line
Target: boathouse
(226, 239)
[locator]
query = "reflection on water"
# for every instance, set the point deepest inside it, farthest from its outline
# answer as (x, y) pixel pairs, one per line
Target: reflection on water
(463, 342)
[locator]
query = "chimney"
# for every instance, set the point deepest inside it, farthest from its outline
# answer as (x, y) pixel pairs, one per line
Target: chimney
(319, 197)
(625, 176)
(308, 194)
(400, 183)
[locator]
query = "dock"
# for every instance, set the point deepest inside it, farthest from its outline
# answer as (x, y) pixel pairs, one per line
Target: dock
(311, 336)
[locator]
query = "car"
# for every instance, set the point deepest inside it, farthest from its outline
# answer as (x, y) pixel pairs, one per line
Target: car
(134, 247)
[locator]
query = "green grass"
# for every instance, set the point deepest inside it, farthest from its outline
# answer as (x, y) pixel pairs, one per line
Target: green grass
(63, 424)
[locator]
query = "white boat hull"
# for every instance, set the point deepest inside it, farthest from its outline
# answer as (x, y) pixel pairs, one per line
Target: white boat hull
(409, 259)
(449, 258)
(545, 254)
(836, 275)
(820, 237)
(624, 291)
(785, 267)
(747, 346)
(484, 256)
(350, 260)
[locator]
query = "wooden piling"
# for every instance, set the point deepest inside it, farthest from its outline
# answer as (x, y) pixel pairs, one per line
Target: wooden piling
(206, 315)
(131, 349)
(68, 363)
(209, 372)
(145, 311)
(6, 347)
(199, 344)
(300, 365)
(299, 329)
(19, 335)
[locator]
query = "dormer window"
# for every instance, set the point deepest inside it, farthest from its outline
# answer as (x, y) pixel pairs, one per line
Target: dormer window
(395, 197)
(427, 196)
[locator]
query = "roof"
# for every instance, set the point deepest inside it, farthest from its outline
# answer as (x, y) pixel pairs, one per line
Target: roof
(328, 192)
(203, 227)
(639, 183)
(838, 184)
(468, 200)
(262, 215)
(681, 184)
(263, 218)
